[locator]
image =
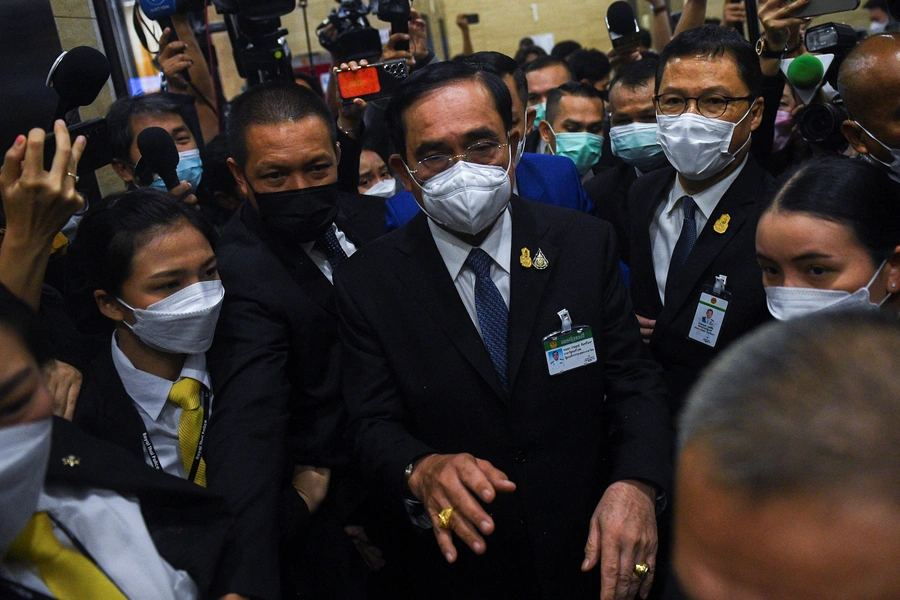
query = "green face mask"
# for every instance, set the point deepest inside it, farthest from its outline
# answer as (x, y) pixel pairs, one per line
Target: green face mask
(541, 113)
(583, 148)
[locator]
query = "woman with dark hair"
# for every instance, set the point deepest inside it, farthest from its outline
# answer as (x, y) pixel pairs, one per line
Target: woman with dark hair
(150, 264)
(830, 240)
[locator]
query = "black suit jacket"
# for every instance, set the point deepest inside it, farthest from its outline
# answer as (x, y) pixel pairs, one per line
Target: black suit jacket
(274, 364)
(418, 379)
(732, 253)
(187, 523)
(608, 192)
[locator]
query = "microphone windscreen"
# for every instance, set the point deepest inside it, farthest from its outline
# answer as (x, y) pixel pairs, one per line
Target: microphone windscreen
(80, 75)
(620, 18)
(805, 72)
(159, 154)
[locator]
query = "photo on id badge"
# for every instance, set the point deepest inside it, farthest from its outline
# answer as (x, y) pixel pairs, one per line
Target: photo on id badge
(570, 347)
(708, 319)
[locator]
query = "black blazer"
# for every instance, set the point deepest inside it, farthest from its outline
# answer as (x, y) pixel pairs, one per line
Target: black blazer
(187, 523)
(608, 192)
(732, 253)
(274, 364)
(418, 379)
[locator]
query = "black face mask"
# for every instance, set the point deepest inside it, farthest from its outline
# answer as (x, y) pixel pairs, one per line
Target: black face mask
(298, 216)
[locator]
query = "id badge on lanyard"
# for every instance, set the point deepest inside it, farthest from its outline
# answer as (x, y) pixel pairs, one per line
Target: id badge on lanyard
(570, 347)
(710, 313)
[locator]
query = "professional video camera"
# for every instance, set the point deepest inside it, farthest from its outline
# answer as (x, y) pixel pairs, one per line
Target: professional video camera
(347, 34)
(820, 122)
(254, 28)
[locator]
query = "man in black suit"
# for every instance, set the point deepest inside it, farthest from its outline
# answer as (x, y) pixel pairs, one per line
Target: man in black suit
(447, 378)
(274, 362)
(697, 221)
(88, 495)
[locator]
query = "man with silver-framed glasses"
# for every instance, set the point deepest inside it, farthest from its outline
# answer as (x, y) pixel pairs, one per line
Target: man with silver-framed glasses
(537, 480)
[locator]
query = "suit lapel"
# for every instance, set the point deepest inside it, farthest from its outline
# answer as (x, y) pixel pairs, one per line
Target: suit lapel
(526, 284)
(422, 270)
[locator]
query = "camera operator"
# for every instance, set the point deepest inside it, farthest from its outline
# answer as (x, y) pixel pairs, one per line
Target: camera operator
(869, 83)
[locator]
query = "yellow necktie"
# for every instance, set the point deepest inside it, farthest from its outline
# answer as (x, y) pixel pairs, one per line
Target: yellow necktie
(186, 394)
(68, 574)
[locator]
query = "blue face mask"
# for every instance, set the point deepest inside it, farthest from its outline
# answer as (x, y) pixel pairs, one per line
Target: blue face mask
(582, 147)
(190, 169)
(636, 144)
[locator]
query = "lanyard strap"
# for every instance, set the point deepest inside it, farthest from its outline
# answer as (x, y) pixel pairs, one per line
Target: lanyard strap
(151, 451)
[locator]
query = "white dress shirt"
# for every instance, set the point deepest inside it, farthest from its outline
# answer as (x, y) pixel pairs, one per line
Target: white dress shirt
(454, 251)
(665, 228)
(161, 418)
(113, 531)
(320, 259)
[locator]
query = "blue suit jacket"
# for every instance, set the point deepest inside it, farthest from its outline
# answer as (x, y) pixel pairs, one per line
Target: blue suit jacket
(540, 177)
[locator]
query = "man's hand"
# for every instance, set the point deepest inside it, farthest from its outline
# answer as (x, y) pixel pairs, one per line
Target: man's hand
(622, 58)
(733, 14)
(418, 35)
(647, 327)
(312, 484)
(623, 534)
(183, 192)
(64, 382)
(173, 61)
(441, 481)
(370, 553)
(778, 17)
(462, 22)
(350, 116)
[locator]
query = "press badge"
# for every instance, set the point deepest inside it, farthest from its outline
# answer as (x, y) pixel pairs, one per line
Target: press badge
(710, 313)
(570, 347)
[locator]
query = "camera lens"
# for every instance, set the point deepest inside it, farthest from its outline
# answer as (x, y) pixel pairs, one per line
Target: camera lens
(818, 122)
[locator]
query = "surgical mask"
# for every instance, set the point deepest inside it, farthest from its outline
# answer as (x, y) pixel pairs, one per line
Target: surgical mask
(894, 166)
(298, 216)
(190, 169)
(541, 112)
(23, 465)
(791, 302)
(582, 147)
(636, 144)
(467, 197)
(384, 188)
(183, 323)
(875, 27)
(784, 130)
(697, 146)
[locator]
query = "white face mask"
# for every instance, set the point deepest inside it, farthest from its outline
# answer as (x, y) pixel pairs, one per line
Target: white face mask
(467, 197)
(791, 302)
(695, 145)
(23, 465)
(875, 27)
(184, 322)
(384, 188)
(894, 167)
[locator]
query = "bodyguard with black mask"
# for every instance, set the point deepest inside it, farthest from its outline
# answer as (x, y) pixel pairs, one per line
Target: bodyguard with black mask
(276, 350)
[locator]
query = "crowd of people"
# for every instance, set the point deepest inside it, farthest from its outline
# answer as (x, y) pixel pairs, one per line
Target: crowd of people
(552, 325)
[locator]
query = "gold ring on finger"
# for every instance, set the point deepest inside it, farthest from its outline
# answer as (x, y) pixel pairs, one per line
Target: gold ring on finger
(641, 570)
(73, 176)
(444, 517)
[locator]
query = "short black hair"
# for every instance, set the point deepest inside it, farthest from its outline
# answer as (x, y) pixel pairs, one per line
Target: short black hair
(590, 65)
(712, 40)
(523, 53)
(564, 49)
(542, 62)
(117, 226)
(500, 65)
(848, 191)
(636, 74)
(572, 88)
(646, 38)
(270, 103)
(436, 76)
(123, 110)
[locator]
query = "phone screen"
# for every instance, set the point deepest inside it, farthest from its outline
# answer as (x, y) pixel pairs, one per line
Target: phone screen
(361, 82)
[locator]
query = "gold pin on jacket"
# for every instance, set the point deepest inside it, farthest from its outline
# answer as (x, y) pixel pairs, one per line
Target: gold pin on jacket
(71, 461)
(525, 259)
(721, 226)
(540, 261)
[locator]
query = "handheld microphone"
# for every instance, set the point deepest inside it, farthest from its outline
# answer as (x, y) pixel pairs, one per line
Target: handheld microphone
(159, 8)
(77, 76)
(622, 25)
(158, 155)
(806, 72)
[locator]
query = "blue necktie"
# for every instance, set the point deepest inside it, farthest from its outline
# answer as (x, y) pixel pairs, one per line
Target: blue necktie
(329, 245)
(493, 316)
(686, 240)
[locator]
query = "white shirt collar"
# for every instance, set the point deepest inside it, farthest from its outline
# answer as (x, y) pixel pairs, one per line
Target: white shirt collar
(706, 200)
(149, 391)
(454, 251)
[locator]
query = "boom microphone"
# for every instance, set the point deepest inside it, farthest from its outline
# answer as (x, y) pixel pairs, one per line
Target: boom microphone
(77, 76)
(158, 155)
(622, 25)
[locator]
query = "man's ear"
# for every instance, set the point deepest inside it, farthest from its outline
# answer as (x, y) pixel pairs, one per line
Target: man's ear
(238, 174)
(399, 168)
(756, 113)
(109, 306)
(124, 172)
(546, 133)
(854, 135)
(337, 152)
(530, 114)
